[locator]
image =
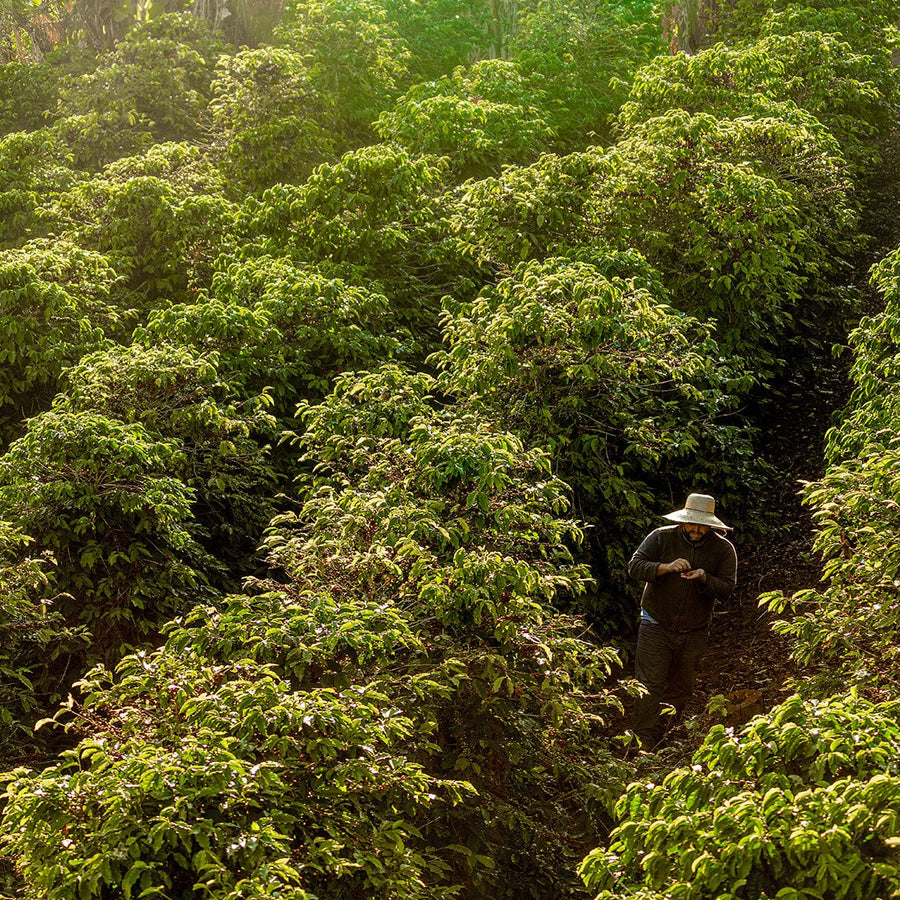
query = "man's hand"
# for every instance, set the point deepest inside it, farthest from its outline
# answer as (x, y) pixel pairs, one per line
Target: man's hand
(677, 565)
(695, 575)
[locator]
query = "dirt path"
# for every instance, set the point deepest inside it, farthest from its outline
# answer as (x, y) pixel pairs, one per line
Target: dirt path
(745, 654)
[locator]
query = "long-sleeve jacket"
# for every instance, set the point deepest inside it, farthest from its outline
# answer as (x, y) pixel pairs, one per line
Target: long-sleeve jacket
(677, 603)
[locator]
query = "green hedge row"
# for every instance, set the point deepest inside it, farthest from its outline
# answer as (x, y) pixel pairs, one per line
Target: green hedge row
(385, 714)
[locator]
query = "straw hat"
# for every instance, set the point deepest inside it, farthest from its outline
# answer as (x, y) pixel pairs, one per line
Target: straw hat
(699, 509)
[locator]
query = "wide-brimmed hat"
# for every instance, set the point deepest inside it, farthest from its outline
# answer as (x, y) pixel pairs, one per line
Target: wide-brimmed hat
(699, 509)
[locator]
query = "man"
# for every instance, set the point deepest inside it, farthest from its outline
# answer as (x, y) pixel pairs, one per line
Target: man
(686, 567)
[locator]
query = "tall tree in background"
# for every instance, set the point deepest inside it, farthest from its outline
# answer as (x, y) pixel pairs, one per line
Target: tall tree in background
(686, 23)
(249, 22)
(29, 29)
(504, 16)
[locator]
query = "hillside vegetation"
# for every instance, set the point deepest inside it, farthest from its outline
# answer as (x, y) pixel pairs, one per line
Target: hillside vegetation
(346, 353)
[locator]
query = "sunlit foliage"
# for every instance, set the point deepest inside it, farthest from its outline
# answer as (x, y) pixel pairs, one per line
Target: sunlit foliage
(329, 452)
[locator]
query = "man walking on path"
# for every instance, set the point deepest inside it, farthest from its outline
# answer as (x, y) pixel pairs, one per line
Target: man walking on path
(686, 567)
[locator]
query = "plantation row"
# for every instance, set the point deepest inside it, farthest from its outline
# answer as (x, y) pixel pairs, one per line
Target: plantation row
(511, 351)
(805, 801)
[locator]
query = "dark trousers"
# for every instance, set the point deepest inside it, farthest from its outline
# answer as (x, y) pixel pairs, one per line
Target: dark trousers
(664, 663)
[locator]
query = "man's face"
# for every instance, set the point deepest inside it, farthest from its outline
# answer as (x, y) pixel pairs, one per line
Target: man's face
(695, 532)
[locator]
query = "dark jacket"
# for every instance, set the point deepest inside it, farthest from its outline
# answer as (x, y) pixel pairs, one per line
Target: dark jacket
(675, 602)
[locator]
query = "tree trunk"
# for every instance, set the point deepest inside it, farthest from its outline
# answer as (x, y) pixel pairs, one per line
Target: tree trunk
(504, 22)
(253, 21)
(213, 11)
(686, 23)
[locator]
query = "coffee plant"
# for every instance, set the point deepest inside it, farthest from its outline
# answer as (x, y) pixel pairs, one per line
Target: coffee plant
(724, 208)
(96, 493)
(35, 168)
(57, 302)
(802, 803)
(480, 118)
(402, 655)
(273, 125)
